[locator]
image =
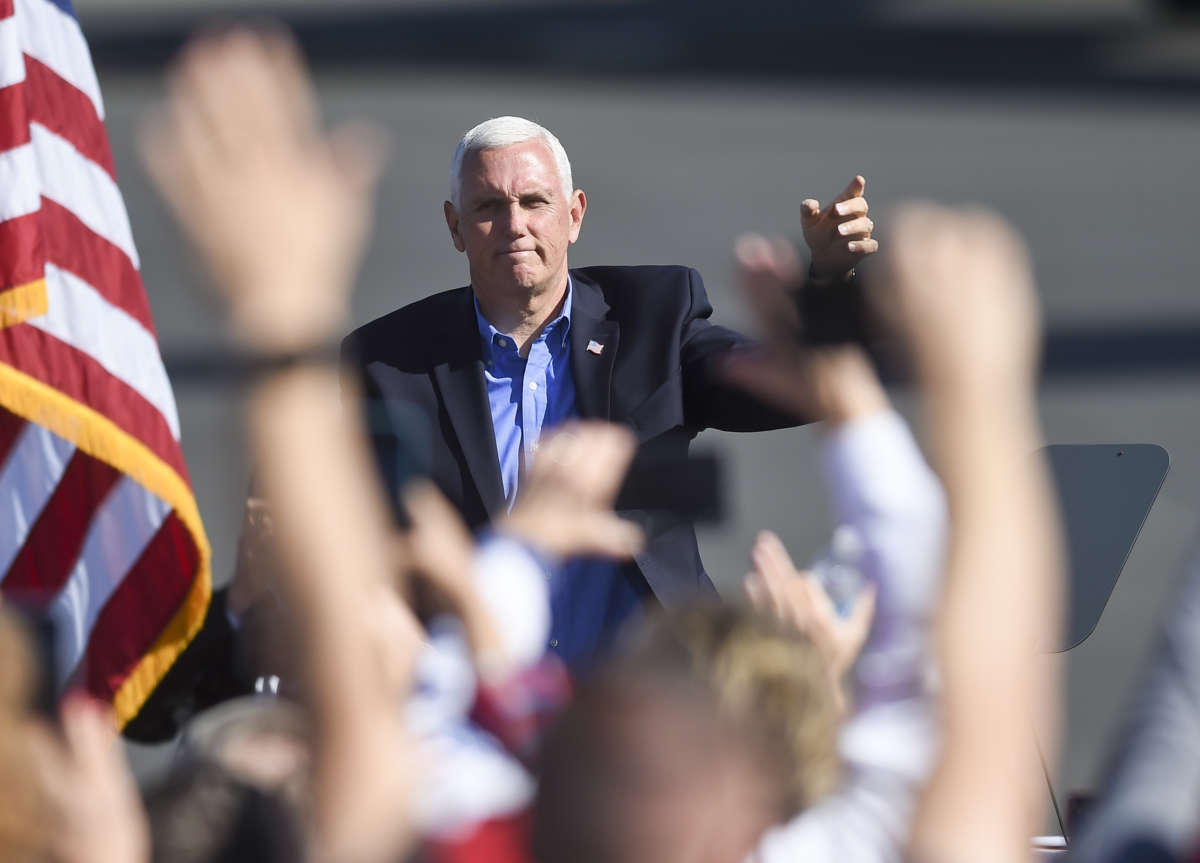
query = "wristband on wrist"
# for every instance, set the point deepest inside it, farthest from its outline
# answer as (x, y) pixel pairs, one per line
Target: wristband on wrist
(223, 366)
(831, 311)
(816, 279)
(322, 354)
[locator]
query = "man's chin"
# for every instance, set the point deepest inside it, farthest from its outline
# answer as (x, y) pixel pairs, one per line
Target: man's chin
(518, 278)
(521, 277)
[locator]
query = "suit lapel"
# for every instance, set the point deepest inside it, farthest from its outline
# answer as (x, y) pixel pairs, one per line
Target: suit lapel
(464, 395)
(594, 341)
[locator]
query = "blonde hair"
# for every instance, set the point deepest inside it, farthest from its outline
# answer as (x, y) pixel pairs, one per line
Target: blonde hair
(762, 675)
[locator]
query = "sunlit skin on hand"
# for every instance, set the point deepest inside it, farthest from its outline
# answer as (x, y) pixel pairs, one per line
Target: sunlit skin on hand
(838, 236)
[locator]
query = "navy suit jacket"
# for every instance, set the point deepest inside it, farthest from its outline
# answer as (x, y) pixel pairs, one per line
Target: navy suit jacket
(656, 374)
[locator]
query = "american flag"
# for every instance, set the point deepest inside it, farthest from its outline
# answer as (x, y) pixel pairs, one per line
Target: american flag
(98, 523)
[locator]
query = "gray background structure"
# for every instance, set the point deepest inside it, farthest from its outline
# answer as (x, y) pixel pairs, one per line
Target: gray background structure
(1102, 183)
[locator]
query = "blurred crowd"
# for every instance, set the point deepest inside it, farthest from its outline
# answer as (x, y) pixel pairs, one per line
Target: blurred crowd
(406, 705)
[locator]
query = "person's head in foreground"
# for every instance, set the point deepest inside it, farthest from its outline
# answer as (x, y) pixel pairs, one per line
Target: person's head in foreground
(237, 789)
(714, 725)
(207, 813)
(263, 741)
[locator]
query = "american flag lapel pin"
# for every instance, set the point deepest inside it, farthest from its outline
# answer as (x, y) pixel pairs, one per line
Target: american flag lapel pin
(594, 347)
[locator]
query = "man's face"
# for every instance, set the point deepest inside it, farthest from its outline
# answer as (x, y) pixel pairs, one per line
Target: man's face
(513, 220)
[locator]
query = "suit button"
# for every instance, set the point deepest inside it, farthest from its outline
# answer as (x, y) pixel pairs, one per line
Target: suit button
(554, 642)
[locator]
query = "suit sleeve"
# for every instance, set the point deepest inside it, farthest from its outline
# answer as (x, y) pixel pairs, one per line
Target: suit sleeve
(710, 402)
(354, 368)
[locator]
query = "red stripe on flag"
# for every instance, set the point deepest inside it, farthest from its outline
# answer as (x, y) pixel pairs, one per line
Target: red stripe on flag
(6, 8)
(68, 112)
(11, 427)
(14, 117)
(134, 616)
(79, 376)
(56, 235)
(61, 107)
(22, 250)
(74, 246)
(45, 561)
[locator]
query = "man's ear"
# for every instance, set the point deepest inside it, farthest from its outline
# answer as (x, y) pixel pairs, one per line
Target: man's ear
(578, 208)
(452, 223)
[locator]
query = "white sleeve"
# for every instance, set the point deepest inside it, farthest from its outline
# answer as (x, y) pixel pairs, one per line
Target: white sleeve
(880, 486)
(514, 584)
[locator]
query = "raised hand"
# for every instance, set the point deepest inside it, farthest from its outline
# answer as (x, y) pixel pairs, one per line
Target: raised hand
(83, 775)
(564, 507)
(834, 383)
(838, 236)
(278, 210)
(439, 549)
(438, 545)
(796, 598)
(958, 287)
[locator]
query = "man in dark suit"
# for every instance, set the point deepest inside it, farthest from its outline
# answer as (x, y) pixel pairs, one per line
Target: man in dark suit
(531, 343)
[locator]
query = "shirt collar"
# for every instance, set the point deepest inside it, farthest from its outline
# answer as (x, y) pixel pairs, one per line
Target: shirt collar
(555, 332)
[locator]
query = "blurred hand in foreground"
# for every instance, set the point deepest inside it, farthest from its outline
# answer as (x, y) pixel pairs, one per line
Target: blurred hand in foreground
(83, 775)
(838, 236)
(441, 552)
(796, 598)
(437, 545)
(957, 285)
(565, 504)
(832, 383)
(278, 209)
(279, 212)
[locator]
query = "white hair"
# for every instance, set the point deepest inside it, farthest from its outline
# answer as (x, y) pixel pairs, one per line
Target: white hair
(504, 132)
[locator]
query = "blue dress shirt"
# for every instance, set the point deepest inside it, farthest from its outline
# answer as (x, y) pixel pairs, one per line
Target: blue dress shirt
(589, 598)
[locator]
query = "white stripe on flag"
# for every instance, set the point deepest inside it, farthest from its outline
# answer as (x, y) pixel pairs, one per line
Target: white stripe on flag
(83, 187)
(122, 526)
(79, 316)
(12, 61)
(28, 478)
(19, 191)
(51, 35)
